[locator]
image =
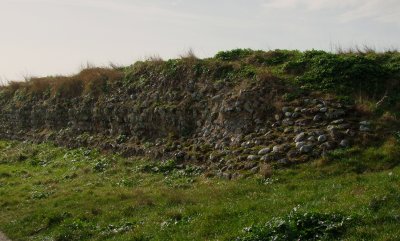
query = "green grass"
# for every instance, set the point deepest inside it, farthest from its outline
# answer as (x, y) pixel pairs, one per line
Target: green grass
(51, 193)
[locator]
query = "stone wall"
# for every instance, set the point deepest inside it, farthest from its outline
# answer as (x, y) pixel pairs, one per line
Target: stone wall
(235, 126)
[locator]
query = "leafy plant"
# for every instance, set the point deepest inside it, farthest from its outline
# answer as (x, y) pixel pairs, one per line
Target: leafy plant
(274, 57)
(40, 195)
(161, 167)
(234, 54)
(298, 226)
(101, 165)
(344, 72)
(121, 139)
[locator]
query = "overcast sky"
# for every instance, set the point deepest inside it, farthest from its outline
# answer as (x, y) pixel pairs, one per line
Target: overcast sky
(48, 37)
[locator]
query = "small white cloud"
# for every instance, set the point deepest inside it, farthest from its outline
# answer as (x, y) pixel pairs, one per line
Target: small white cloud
(310, 4)
(349, 10)
(383, 11)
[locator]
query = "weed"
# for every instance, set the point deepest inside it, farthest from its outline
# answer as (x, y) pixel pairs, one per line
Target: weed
(175, 220)
(112, 229)
(40, 195)
(162, 167)
(121, 139)
(76, 229)
(298, 226)
(189, 55)
(232, 55)
(272, 58)
(101, 165)
(266, 171)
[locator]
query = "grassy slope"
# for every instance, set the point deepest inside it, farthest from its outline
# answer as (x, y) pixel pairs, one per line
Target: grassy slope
(50, 193)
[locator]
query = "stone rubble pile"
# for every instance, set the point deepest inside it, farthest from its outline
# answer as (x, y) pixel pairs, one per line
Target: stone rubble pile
(298, 133)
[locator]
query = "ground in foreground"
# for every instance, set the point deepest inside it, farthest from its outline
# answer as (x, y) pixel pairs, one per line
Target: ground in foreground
(51, 193)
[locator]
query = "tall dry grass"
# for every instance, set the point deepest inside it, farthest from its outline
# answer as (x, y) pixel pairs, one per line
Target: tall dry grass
(189, 55)
(93, 80)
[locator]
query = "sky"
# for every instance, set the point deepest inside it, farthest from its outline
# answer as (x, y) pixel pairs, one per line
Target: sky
(53, 37)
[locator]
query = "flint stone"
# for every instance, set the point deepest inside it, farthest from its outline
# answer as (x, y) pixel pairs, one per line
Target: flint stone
(344, 143)
(292, 154)
(287, 130)
(264, 151)
(343, 126)
(365, 123)
(306, 149)
(283, 161)
(300, 137)
(276, 124)
(317, 118)
(287, 122)
(338, 121)
(326, 146)
(323, 109)
(300, 144)
(249, 165)
(350, 132)
(266, 158)
(254, 169)
(322, 138)
(364, 128)
(301, 122)
(311, 139)
(276, 149)
(330, 127)
(295, 115)
(252, 157)
(335, 114)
